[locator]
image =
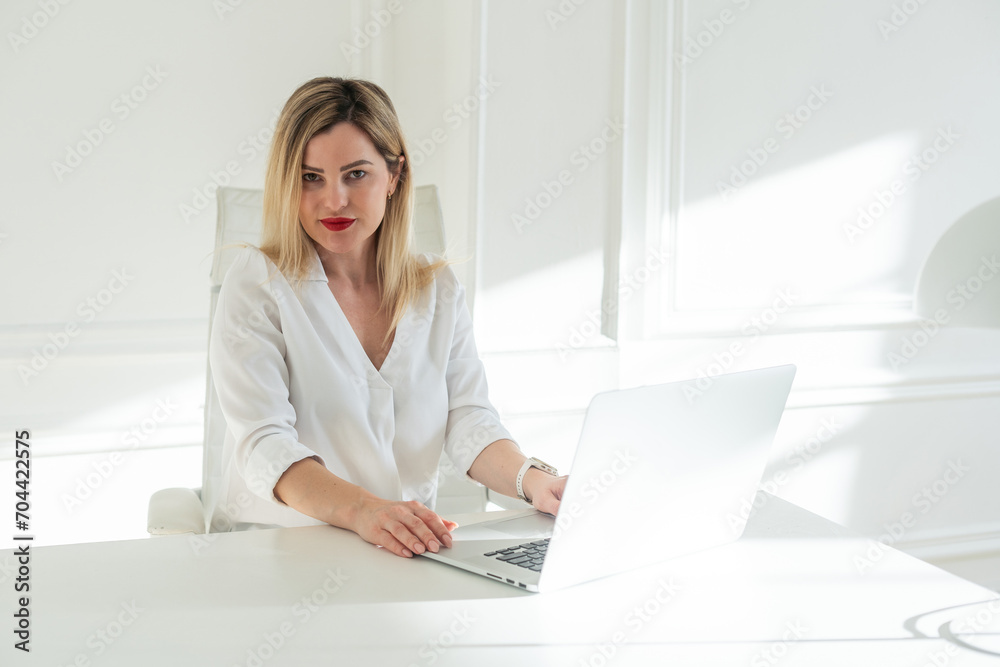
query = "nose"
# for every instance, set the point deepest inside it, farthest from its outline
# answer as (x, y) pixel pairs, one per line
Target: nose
(335, 196)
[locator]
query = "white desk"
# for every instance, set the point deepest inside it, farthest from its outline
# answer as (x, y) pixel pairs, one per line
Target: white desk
(788, 593)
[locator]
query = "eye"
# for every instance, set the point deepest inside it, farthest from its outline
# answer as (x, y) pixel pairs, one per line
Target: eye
(355, 174)
(310, 177)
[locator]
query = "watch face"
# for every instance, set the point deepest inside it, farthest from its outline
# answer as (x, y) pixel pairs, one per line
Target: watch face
(542, 465)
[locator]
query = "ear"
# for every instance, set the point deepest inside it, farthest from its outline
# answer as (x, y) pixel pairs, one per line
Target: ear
(396, 171)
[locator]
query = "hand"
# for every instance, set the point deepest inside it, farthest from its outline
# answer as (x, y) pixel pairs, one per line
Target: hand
(404, 528)
(543, 490)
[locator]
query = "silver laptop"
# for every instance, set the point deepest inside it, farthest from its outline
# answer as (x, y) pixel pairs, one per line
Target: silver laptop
(660, 472)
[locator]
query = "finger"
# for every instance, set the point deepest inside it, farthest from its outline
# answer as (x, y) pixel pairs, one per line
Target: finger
(418, 525)
(545, 502)
(407, 539)
(447, 538)
(389, 541)
(438, 526)
(550, 497)
(402, 529)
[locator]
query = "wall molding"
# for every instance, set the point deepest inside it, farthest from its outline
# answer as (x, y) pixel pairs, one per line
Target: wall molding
(945, 544)
(71, 442)
(653, 183)
(616, 195)
(125, 338)
(571, 382)
(971, 552)
(477, 160)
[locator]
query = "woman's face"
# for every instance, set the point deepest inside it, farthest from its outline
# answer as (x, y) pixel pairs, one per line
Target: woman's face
(345, 183)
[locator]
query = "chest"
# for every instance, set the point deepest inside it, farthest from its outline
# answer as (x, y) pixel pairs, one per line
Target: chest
(368, 321)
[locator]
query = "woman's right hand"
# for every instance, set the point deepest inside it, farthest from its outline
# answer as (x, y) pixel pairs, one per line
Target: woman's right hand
(403, 527)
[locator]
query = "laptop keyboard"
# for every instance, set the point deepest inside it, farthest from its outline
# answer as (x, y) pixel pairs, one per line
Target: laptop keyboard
(529, 555)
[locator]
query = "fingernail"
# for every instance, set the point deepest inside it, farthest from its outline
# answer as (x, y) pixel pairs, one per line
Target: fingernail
(406, 552)
(419, 548)
(433, 546)
(447, 541)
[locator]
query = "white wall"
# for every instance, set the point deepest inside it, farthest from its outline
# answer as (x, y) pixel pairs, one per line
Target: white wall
(879, 98)
(498, 98)
(129, 373)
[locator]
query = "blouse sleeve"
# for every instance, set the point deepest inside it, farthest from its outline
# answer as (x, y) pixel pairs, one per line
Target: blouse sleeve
(246, 356)
(473, 422)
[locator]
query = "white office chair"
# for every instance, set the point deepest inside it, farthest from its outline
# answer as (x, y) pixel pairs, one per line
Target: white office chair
(174, 511)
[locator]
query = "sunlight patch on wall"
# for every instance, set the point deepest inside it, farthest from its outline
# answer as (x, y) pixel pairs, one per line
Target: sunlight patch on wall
(834, 231)
(555, 306)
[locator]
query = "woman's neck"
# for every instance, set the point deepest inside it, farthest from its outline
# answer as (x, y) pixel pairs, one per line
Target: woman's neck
(355, 269)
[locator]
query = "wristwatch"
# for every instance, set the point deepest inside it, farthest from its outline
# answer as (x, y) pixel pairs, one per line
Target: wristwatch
(532, 463)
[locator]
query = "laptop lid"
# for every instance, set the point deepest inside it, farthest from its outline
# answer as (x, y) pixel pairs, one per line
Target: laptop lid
(662, 471)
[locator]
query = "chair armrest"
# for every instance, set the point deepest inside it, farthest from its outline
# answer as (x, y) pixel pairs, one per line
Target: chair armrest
(505, 502)
(175, 511)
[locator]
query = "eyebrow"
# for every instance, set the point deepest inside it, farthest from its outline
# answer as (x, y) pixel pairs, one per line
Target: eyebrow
(344, 168)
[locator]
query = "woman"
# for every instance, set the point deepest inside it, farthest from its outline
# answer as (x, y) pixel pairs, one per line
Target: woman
(343, 363)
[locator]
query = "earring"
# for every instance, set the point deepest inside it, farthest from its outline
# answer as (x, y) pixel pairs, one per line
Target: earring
(390, 197)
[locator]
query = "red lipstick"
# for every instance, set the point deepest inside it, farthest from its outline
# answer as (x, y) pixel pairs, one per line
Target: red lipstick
(337, 224)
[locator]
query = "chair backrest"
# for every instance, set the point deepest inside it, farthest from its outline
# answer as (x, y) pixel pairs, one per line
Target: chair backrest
(239, 221)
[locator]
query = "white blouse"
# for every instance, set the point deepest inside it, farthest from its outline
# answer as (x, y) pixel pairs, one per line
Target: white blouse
(294, 381)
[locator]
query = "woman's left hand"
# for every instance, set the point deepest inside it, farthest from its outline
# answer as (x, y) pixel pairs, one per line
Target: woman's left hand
(543, 490)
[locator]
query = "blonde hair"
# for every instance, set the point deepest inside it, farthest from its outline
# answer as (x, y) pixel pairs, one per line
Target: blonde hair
(315, 107)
